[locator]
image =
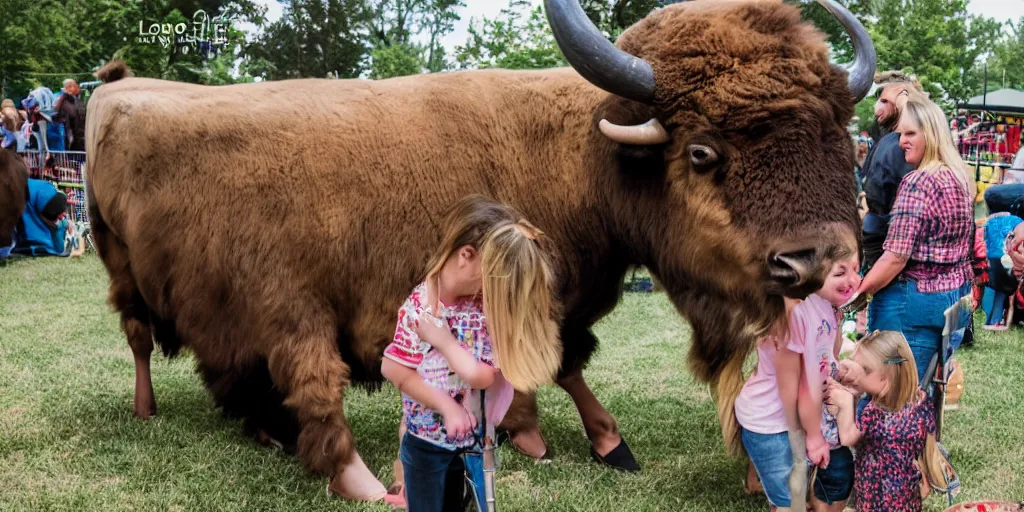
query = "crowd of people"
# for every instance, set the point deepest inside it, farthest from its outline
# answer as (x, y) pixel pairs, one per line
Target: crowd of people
(45, 121)
(868, 420)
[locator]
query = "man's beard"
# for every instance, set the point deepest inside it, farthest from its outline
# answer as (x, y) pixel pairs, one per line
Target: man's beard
(889, 123)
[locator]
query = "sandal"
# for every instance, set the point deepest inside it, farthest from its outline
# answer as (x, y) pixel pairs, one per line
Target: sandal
(619, 458)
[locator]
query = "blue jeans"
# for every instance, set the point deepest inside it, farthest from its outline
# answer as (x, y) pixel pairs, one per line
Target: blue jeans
(835, 482)
(1001, 198)
(434, 476)
(773, 461)
(919, 316)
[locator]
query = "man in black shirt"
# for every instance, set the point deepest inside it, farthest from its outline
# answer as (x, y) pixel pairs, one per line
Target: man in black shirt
(69, 112)
(885, 166)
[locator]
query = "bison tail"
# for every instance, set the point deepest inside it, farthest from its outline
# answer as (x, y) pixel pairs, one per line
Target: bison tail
(725, 389)
(113, 71)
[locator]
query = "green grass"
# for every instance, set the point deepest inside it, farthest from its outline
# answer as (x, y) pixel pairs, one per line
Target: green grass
(68, 440)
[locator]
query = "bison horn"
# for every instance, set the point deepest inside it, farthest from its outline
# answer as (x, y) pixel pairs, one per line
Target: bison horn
(862, 71)
(596, 58)
(647, 134)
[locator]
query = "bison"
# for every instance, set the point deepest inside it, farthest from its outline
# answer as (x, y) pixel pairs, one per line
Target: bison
(708, 145)
(13, 193)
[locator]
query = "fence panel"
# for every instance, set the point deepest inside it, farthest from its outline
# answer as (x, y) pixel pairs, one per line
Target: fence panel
(66, 170)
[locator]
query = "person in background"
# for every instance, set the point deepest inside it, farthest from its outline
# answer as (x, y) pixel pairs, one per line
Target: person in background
(861, 156)
(925, 267)
(69, 112)
(39, 108)
(41, 229)
(11, 121)
(885, 166)
(1009, 196)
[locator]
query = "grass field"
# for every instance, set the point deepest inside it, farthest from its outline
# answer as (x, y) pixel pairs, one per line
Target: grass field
(68, 440)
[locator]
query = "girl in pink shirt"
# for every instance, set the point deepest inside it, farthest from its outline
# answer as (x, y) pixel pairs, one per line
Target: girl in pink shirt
(786, 391)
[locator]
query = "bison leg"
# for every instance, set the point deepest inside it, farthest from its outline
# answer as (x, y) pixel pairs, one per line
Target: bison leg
(601, 428)
(140, 339)
(523, 427)
(126, 299)
(313, 376)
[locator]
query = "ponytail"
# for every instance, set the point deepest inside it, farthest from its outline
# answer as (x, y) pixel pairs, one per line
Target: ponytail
(518, 306)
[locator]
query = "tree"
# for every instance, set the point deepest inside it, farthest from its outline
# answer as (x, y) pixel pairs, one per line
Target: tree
(935, 39)
(1006, 63)
(612, 17)
(439, 21)
(313, 38)
(394, 26)
(396, 60)
(842, 46)
(519, 38)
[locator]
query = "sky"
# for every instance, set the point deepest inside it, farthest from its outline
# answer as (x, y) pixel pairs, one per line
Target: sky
(1001, 10)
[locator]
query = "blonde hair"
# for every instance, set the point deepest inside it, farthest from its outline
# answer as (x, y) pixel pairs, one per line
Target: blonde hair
(939, 149)
(890, 354)
(517, 283)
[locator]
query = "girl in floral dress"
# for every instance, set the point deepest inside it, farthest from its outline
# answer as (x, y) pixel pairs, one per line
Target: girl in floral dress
(891, 432)
(482, 320)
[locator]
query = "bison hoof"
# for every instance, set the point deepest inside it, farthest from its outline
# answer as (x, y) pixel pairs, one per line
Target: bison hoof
(145, 412)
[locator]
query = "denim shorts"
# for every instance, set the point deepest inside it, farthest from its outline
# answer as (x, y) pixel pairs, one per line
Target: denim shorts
(771, 456)
(835, 482)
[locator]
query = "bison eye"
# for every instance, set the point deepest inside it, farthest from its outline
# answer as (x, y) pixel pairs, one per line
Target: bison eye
(701, 155)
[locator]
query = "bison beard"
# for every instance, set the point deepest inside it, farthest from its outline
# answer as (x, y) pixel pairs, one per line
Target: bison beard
(216, 241)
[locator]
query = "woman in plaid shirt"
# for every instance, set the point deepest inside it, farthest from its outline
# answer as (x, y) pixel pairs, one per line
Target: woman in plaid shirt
(926, 266)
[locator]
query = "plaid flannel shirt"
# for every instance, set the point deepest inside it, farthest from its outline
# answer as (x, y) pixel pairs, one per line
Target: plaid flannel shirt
(932, 223)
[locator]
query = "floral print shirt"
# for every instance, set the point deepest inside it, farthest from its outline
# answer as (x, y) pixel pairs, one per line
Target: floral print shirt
(467, 323)
(886, 476)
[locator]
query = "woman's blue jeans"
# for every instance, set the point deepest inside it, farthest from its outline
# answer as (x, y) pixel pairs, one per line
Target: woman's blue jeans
(919, 316)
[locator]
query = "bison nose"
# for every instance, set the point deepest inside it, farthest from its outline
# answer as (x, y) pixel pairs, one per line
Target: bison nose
(792, 268)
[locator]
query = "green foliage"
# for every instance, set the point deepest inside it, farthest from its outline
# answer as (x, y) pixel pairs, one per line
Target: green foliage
(395, 60)
(312, 38)
(935, 39)
(865, 110)
(43, 42)
(395, 24)
(1006, 65)
(519, 38)
(614, 16)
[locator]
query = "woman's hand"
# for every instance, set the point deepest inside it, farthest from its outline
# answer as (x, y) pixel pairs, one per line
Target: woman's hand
(857, 302)
(457, 420)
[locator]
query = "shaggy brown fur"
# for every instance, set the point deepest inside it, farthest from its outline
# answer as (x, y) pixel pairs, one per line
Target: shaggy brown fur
(13, 183)
(280, 256)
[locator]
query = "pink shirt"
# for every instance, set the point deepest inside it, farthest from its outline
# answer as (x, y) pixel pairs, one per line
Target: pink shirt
(812, 327)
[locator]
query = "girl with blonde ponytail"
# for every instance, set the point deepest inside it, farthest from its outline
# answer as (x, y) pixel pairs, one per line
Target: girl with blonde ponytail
(481, 320)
